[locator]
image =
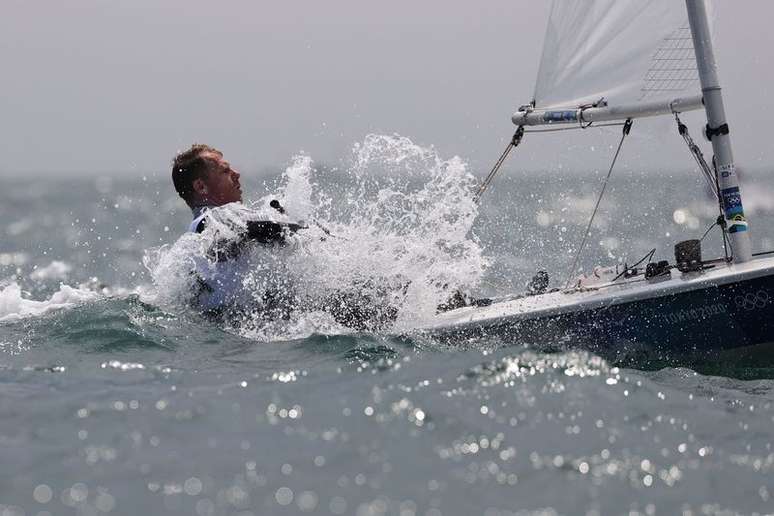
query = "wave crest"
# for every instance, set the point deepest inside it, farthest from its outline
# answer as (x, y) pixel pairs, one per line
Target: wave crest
(14, 303)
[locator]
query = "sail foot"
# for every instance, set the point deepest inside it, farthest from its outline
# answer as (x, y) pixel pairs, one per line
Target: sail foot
(585, 115)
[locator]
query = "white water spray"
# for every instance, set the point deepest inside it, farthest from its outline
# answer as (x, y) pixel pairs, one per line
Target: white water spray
(391, 230)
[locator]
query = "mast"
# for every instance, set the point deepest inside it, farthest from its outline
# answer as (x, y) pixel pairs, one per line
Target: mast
(717, 131)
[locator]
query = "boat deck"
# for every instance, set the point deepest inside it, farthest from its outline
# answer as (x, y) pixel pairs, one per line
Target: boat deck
(600, 295)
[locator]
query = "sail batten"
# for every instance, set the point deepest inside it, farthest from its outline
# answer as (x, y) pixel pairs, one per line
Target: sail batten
(622, 51)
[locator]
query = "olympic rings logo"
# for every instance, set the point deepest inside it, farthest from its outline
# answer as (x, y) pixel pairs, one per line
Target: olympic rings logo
(753, 300)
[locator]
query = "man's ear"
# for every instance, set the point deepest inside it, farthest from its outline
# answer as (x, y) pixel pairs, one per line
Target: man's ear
(199, 187)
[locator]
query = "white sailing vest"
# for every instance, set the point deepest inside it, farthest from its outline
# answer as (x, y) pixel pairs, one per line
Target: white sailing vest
(220, 283)
(242, 278)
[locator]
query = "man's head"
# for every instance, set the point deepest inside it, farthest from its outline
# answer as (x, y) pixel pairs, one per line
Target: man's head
(202, 177)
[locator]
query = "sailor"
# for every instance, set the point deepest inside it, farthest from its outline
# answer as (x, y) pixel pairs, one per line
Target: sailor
(226, 284)
(211, 188)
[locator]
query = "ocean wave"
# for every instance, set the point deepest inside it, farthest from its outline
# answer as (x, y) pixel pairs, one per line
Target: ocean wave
(15, 305)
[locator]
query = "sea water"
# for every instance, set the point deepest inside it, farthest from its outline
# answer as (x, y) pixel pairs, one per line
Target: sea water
(116, 398)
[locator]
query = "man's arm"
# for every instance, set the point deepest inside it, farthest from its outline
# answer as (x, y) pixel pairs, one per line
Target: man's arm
(268, 232)
(261, 231)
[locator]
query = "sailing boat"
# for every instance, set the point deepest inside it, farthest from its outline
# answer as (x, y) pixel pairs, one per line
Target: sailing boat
(695, 307)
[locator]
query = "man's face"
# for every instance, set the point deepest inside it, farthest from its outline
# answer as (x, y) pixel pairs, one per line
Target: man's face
(221, 185)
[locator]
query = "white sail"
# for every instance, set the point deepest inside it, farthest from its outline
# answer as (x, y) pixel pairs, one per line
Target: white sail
(625, 51)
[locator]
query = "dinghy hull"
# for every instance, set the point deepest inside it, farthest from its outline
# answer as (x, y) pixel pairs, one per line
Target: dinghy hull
(707, 316)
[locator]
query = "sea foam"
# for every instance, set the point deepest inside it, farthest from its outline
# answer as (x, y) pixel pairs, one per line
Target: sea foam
(15, 305)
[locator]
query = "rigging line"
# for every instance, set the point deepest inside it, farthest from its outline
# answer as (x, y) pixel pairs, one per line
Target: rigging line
(720, 222)
(697, 155)
(711, 175)
(707, 232)
(648, 256)
(515, 141)
(575, 128)
(490, 177)
(626, 128)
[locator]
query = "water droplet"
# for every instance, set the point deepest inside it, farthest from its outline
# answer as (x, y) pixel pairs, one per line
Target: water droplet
(192, 486)
(284, 496)
(42, 493)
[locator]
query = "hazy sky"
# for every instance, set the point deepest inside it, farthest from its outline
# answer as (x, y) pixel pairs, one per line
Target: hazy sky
(118, 86)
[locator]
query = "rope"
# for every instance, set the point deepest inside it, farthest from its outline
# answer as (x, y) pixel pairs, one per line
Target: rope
(515, 141)
(721, 222)
(697, 155)
(711, 175)
(575, 127)
(716, 223)
(626, 128)
(648, 256)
